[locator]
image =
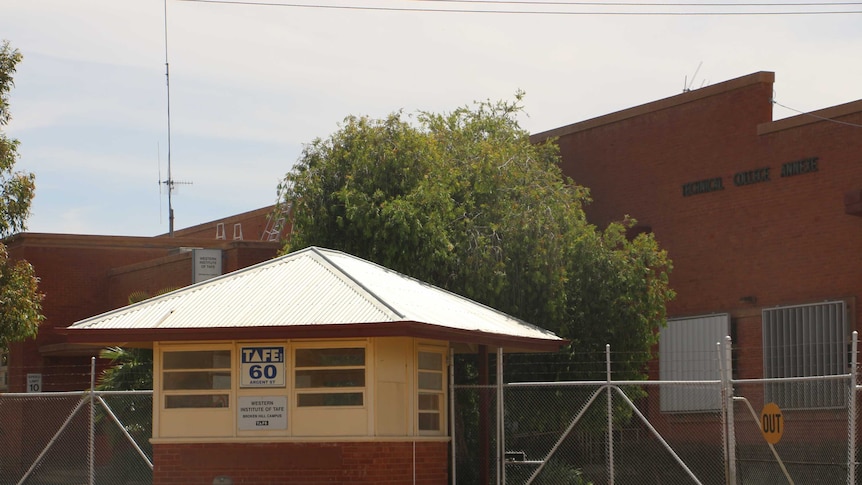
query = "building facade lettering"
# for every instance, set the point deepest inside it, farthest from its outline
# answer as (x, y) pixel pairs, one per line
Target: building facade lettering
(749, 177)
(702, 186)
(799, 167)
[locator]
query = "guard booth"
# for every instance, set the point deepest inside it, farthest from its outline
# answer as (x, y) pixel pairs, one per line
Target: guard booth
(315, 367)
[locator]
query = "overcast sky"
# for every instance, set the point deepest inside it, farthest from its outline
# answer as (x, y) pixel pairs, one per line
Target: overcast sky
(250, 84)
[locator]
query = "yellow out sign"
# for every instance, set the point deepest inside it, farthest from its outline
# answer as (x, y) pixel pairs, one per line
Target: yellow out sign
(772, 423)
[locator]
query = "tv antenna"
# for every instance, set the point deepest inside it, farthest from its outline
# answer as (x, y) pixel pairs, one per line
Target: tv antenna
(687, 85)
(169, 182)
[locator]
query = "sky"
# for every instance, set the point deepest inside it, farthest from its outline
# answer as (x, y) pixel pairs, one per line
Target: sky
(251, 84)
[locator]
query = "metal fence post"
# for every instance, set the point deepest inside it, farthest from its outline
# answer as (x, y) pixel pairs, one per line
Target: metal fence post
(92, 421)
(501, 439)
(851, 413)
(727, 379)
(610, 416)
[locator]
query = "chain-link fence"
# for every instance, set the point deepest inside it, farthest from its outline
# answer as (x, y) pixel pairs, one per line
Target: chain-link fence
(543, 432)
(82, 437)
(658, 432)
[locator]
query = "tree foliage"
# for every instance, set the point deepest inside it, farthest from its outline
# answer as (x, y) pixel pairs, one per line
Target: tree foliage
(464, 201)
(20, 301)
(131, 368)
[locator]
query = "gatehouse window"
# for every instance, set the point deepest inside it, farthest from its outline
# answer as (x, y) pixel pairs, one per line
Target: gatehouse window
(806, 341)
(196, 378)
(329, 376)
(430, 400)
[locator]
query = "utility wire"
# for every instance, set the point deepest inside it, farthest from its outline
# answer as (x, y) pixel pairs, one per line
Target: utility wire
(544, 12)
(821, 118)
(646, 4)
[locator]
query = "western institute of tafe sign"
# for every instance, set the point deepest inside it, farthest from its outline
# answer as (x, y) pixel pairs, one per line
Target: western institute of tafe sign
(749, 177)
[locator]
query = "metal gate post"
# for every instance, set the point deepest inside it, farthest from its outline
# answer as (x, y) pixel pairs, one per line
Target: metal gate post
(610, 416)
(727, 379)
(851, 413)
(501, 444)
(92, 420)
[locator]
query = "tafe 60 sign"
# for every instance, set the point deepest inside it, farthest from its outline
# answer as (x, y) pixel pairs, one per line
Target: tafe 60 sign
(262, 367)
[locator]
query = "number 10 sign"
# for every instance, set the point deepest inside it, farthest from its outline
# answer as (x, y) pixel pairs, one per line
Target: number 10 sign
(262, 367)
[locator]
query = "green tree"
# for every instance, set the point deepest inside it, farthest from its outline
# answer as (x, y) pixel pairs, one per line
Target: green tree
(464, 201)
(131, 368)
(20, 300)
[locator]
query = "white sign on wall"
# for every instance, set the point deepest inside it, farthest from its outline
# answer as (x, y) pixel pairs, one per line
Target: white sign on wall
(262, 412)
(262, 366)
(34, 382)
(206, 264)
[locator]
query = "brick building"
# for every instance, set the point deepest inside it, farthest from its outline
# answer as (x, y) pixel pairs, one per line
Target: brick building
(761, 220)
(85, 275)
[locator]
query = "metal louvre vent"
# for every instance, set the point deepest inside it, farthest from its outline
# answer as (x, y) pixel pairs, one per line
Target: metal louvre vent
(687, 352)
(805, 341)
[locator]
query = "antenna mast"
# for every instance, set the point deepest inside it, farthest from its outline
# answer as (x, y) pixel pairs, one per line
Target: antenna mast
(169, 182)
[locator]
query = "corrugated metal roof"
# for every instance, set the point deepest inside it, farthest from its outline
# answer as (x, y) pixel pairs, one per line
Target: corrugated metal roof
(313, 286)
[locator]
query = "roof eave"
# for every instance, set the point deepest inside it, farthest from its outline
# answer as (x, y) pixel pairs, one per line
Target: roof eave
(510, 343)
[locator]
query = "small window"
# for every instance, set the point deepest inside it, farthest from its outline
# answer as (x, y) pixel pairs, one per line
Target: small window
(806, 341)
(430, 387)
(196, 378)
(330, 377)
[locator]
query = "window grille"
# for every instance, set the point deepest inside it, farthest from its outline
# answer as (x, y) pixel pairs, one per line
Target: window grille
(688, 352)
(805, 341)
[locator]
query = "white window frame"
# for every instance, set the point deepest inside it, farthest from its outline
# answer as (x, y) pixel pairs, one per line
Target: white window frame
(298, 390)
(440, 393)
(806, 341)
(688, 352)
(223, 397)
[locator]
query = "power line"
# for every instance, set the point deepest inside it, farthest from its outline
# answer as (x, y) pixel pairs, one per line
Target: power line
(556, 12)
(821, 118)
(647, 4)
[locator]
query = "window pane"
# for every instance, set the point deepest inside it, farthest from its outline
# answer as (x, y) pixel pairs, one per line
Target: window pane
(430, 361)
(330, 357)
(197, 401)
(429, 422)
(431, 381)
(197, 359)
(333, 399)
(330, 378)
(429, 402)
(196, 380)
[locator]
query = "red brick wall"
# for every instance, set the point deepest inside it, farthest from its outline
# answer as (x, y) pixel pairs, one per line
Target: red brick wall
(83, 275)
(785, 241)
(352, 463)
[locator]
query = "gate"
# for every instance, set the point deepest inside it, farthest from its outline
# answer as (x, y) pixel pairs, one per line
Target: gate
(84, 437)
(658, 432)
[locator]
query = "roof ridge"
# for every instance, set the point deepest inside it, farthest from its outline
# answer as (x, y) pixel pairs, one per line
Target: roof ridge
(347, 277)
